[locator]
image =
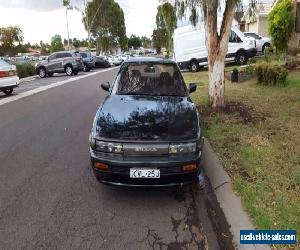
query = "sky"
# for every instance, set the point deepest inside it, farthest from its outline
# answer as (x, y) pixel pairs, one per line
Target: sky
(41, 19)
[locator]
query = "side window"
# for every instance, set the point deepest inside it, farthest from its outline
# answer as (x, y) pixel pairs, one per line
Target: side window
(67, 55)
(233, 38)
(52, 57)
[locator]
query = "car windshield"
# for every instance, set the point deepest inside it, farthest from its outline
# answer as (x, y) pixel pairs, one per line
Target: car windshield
(154, 79)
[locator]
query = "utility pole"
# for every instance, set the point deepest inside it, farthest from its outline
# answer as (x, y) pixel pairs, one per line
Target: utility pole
(68, 28)
(66, 3)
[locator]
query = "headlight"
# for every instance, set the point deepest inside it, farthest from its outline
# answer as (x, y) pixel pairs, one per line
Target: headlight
(108, 147)
(181, 148)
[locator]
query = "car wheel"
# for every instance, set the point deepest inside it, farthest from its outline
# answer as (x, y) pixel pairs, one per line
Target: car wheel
(88, 69)
(85, 68)
(42, 72)
(241, 58)
(50, 74)
(194, 66)
(264, 47)
(8, 91)
(69, 70)
(75, 72)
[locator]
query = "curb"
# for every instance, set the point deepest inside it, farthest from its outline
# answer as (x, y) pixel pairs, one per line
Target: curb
(227, 200)
(28, 79)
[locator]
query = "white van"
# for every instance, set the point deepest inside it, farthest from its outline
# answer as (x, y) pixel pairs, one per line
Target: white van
(190, 51)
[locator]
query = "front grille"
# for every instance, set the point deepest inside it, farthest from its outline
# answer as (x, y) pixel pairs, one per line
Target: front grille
(145, 149)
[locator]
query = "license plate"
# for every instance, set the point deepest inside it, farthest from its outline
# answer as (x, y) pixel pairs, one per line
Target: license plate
(144, 173)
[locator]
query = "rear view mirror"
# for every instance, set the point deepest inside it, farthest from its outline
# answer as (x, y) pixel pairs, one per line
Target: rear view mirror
(105, 86)
(192, 87)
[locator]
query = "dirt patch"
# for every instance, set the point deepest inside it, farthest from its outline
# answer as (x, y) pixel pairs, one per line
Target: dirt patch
(292, 65)
(247, 113)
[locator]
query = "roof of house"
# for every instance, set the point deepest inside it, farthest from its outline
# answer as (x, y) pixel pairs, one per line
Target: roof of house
(261, 9)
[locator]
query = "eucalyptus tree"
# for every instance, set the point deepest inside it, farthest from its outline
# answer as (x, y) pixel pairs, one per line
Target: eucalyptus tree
(104, 21)
(160, 39)
(166, 18)
(216, 38)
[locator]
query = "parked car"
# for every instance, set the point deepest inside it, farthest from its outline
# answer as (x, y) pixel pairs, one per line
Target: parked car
(88, 61)
(190, 51)
(117, 60)
(69, 62)
(8, 77)
(261, 42)
(110, 60)
(126, 57)
(147, 131)
(101, 62)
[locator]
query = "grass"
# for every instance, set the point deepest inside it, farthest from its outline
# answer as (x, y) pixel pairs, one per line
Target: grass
(262, 155)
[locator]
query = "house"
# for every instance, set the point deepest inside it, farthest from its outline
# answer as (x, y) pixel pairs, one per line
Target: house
(294, 43)
(256, 18)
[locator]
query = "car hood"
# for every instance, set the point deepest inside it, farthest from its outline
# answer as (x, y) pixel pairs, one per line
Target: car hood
(147, 118)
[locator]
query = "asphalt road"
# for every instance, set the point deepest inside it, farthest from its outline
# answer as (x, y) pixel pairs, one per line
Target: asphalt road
(49, 198)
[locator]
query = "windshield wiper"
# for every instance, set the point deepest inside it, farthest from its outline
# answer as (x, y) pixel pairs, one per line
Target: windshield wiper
(161, 94)
(134, 93)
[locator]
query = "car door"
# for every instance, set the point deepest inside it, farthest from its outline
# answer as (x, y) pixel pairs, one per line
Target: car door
(52, 60)
(234, 44)
(58, 65)
(65, 58)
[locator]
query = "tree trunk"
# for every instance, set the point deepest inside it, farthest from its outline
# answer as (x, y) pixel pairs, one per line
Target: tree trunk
(217, 82)
(217, 45)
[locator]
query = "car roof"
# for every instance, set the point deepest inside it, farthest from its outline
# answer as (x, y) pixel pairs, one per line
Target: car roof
(149, 59)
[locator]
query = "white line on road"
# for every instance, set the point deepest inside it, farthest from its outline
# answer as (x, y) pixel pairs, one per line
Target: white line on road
(50, 86)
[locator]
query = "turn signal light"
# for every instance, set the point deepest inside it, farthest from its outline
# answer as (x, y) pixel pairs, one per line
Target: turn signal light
(189, 167)
(100, 166)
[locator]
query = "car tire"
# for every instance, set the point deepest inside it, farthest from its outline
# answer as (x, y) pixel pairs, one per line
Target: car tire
(85, 68)
(75, 72)
(88, 69)
(69, 70)
(8, 91)
(266, 45)
(42, 72)
(50, 74)
(242, 58)
(194, 66)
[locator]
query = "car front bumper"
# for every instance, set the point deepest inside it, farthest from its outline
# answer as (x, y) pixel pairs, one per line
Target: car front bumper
(171, 174)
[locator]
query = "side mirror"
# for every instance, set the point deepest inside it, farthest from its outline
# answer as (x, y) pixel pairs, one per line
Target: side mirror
(105, 86)
(192, 87)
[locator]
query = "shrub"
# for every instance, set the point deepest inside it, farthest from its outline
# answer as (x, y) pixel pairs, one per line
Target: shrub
(271, 74)
(281, 22)
(25, 70)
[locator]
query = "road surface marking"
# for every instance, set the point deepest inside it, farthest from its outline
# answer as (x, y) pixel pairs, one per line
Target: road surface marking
(50, 86)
